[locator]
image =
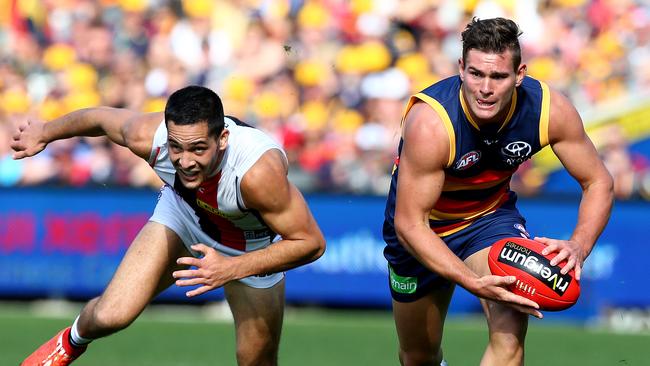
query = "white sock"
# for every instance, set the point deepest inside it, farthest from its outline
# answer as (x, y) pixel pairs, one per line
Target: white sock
(75, 338)
(443, 363)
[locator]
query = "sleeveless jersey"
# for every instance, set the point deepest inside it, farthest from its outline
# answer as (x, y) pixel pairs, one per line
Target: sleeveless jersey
(481, 160)
(217, 204)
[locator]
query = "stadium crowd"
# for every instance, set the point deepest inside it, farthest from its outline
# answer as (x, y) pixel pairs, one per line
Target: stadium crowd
(329, 78)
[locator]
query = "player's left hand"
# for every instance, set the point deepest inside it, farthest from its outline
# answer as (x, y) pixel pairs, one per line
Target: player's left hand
(568, 250)
(212, 271)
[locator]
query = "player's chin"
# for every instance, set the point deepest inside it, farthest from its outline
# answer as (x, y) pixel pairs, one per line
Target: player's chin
(192, 183)
(486, 113)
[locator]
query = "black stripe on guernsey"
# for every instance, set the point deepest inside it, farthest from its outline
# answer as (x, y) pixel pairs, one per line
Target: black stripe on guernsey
(189, 196)
(242, 209)
(239, 122)
(473, 195)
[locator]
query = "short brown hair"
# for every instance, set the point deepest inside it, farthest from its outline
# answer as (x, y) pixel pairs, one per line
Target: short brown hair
(494, 35)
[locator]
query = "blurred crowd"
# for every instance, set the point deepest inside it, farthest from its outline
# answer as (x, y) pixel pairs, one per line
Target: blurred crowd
(327, 78)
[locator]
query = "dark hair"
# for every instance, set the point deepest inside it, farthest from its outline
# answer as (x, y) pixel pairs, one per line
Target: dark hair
(195, 104)
(494, 35)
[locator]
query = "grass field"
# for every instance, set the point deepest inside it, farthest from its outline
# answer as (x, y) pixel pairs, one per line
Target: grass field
(310, 337)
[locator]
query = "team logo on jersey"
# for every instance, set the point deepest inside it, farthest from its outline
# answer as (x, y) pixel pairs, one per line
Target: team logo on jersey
(468, 160)
(516, 152)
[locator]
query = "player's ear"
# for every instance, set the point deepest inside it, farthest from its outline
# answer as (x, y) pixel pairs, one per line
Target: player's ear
(521, 74)
(223, 139)
(461, 69)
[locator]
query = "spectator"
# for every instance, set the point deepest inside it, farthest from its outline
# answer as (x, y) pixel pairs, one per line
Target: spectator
(299, 70)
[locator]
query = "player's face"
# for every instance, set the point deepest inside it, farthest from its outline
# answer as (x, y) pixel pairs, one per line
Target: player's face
(489, 79)
(194, 153)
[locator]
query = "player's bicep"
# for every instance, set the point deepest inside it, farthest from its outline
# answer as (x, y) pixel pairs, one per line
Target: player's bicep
(138, 133)
(571, 144)
(425, 151)
(266, 188)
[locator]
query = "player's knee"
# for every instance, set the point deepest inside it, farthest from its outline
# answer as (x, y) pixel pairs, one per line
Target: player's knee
(112, 318)
(508, 321)
(267, 355)
(509, 330)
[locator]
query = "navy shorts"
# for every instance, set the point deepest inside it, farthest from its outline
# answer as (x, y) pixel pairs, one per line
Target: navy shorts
(409, 280)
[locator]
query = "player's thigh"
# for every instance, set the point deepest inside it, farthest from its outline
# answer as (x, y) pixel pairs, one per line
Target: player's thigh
(146, 268)
(420, 323)
(258, 313)
(478, 262)
(501, 318)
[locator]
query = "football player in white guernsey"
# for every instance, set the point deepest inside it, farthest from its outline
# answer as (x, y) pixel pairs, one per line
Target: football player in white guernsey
(227, 208)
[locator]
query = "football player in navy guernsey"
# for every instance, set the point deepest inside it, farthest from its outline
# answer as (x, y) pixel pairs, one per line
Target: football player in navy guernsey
(227, 209)
(462, 138)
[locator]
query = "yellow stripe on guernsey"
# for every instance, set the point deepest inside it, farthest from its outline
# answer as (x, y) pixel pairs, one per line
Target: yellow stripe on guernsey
(454, 230)
(544, 115)
(513, 106)
(444, 117)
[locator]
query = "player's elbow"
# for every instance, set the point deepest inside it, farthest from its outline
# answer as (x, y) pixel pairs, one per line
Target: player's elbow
(608, 183)
(604, 185)
(403, 227)
(318, 247)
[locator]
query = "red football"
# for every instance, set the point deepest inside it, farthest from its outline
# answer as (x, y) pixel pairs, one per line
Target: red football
(536, 278)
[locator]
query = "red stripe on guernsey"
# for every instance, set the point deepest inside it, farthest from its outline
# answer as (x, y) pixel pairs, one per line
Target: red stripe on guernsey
(484, 177)
(452, 206)
(446, 228)
(155, 157)
(231, 235)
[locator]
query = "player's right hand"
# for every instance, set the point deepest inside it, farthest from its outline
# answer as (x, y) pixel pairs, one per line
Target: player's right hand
(28, 139)
(495, 288)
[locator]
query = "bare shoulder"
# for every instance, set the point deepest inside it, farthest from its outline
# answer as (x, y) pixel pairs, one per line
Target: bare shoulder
(425, 136)
(139, 131)
(265, 185)
(564, 119)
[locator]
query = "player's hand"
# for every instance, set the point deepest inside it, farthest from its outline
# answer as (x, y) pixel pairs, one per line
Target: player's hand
(495, 288)
(212, 271)
(27, 139)
(568, 250)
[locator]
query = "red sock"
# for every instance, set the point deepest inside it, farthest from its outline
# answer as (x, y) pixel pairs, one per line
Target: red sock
(69, 346)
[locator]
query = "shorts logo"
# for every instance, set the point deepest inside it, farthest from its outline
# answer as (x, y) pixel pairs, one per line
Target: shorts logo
(467, 160)
(536, 265)
(522, 230)
(402, 285)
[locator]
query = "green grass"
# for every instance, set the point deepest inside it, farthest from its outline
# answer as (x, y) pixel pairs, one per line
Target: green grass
(311, 337)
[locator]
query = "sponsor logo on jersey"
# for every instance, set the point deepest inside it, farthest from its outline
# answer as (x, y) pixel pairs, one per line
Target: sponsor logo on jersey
(213, 210)
(537, 265)
(402, 284)
(516, 152)
(257, 234)
(467, 160)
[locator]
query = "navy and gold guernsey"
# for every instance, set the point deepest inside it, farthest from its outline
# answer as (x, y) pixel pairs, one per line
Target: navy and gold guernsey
(481, 160)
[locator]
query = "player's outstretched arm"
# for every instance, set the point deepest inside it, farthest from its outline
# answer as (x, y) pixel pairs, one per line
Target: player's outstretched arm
(265, 188)
(579, 156)
(124, 127)
(425, 153)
